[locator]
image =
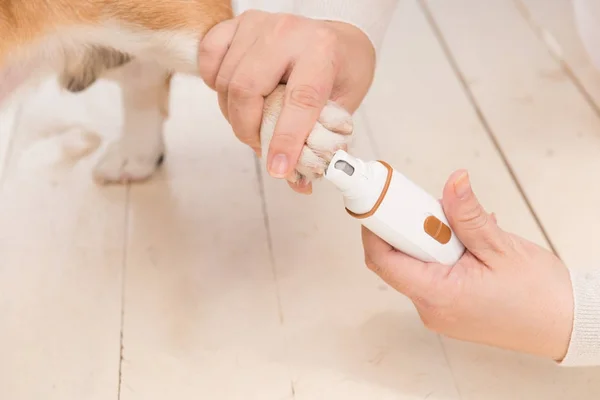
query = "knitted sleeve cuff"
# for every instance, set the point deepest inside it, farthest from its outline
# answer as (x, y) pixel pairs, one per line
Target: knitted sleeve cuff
(372, 17)
(584, 348)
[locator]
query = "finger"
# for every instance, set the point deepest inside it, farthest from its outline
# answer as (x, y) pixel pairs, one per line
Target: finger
(407, 275)
(474, 227)
(246, 35)
(213, 48)
(223, 105)
(308, 89)
(256, 76)
(301, 187)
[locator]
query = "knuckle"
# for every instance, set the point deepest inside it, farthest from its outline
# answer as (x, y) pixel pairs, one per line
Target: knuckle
(326, 37)
(240, 88)
(500, 248)
(221, 84)
(247, 135)
(431, 323)
(515, 245)
(305, 97)
(286, 141)
(210, 45)
(244, 138)
(371, 265)
(205, 49)
(426, 319)
(382, 272)
(473, 217)
(432, 317)
(251, 14)
(223, 106)
(255, 19)
(285, 23)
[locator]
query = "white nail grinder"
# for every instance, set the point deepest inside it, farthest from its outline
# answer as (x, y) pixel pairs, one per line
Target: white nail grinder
(395, 209)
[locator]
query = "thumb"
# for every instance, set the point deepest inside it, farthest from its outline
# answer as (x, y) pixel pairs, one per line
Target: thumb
(473, 226)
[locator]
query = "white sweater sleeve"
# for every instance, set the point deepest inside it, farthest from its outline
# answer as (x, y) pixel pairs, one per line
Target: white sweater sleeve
(371, 16)
(584, 348)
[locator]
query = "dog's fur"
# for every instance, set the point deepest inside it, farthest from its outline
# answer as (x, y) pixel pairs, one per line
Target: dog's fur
(140, 44)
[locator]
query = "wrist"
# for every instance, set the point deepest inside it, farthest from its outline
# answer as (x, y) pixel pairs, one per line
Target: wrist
(562, 328)
(559, 320)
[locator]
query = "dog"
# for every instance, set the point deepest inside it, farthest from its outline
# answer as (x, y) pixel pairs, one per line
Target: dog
(140, 44)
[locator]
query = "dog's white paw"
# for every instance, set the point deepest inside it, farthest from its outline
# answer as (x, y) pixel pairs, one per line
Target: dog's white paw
(332, 132)
(125, 162)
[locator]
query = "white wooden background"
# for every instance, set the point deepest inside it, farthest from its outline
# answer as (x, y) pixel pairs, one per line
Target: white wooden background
(215, 282)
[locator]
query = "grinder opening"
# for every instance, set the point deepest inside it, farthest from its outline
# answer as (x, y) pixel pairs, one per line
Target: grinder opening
(344, 166)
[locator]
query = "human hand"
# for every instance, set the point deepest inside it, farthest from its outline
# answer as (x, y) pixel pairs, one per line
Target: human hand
(505, 291)
(246, 58)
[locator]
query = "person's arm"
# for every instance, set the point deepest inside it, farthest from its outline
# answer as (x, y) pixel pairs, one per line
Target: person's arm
(584, 346)
(372, 17)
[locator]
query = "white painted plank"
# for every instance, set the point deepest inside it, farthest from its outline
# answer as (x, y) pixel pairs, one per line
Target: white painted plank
(556, 23)
(205, 316)
(61, 252)
(549, 134)
(545, 127)
(202, 316)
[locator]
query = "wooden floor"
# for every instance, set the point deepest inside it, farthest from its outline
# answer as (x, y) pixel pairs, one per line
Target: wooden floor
(215, 282)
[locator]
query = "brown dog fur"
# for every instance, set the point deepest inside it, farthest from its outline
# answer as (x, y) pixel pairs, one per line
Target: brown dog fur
(140, 44)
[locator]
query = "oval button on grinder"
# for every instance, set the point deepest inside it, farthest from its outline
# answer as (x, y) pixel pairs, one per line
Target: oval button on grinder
(437, 229)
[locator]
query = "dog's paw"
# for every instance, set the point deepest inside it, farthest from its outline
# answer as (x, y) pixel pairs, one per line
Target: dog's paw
(333, 131)
(125, 163)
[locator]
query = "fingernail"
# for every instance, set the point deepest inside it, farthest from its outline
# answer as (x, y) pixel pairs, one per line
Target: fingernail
(305, 189)
(462, 186)
(279, 166)
(305, 186)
